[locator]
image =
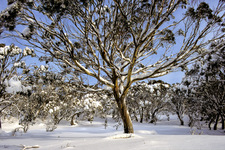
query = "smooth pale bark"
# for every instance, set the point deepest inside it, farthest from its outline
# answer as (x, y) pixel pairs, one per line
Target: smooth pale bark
(122, 106)
(127, 123)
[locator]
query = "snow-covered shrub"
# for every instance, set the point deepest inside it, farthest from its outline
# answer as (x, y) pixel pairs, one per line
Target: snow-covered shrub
(178, 100)
(11, 60)
(94, 104)
(146, 100)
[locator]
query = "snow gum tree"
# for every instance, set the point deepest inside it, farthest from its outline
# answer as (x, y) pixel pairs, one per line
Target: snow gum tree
(205, 80)
(116, 42)
(178, 102)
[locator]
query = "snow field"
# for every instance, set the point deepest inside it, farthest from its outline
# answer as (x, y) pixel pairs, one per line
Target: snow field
(165, 135)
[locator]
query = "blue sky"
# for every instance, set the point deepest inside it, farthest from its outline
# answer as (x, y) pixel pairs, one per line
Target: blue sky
(172, 77)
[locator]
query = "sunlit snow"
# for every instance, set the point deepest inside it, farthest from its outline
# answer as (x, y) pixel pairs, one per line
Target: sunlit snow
(165, 135)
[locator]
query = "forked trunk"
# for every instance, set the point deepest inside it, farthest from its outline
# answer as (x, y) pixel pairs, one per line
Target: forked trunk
(153, 118)
(127, 123)
(72, 120)
(180, 118)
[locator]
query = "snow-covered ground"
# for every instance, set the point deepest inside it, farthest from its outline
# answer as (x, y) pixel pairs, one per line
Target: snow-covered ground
(165, 135)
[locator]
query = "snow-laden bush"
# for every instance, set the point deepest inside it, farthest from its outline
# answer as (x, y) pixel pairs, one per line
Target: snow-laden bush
(178, 101)
(146, 100)
(11, 60)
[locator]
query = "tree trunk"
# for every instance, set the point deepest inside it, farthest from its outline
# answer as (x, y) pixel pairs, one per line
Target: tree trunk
(217, 119)
(142, 114)
(127, 123)
(181, 119)
(0, 122)
(72, 120)
(210, 122)
(191, 121)
(153, 118)
(222, 120)
(147, 116)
